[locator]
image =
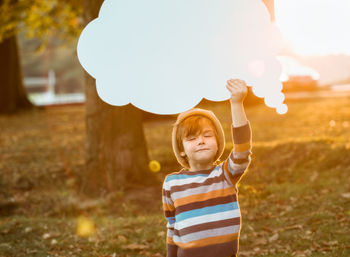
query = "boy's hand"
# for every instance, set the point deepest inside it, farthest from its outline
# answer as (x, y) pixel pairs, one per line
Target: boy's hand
(238, 89)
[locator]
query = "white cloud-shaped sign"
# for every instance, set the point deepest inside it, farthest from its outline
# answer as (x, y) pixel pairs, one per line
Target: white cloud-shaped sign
(165, 56)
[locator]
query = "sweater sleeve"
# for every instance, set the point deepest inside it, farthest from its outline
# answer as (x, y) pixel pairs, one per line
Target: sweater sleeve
(169, 213)
(240, 156)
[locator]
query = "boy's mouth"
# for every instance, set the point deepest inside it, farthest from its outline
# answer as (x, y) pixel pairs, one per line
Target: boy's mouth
(202, 149)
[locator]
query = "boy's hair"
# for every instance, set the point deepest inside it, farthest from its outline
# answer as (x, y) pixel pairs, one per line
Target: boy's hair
(192, 126)
(191, 122)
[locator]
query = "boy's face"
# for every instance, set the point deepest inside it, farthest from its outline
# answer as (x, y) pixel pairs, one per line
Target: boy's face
(201, 148)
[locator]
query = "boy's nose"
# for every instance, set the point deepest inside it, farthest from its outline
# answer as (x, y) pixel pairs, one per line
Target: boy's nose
(201, 138)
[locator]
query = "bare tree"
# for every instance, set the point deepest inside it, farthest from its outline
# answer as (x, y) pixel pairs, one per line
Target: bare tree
(13, 96)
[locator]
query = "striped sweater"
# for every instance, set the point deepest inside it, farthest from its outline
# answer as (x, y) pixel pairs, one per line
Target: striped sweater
(201, 207)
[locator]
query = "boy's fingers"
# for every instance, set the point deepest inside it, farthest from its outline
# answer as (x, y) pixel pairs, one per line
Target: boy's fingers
(236, 80)
(232, 81)
(234, 90)
(235, 85)
(232, 87)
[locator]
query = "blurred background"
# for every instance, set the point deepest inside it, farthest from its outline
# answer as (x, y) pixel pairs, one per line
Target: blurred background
(81, 178)
(315, 56)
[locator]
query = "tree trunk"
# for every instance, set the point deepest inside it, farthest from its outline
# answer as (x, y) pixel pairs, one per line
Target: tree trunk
(13, 96)
(116, 150)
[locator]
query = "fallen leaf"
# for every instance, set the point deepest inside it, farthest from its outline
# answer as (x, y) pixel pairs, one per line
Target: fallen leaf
(256, 249)
(267, 229)
(297, 226)
(260, 241)
(299, 254)
(251, 228)
(46, 235)
(289, 208)
(330, 243)
(273, 238)
(313, 176)
(158, 255)
(346, 195)
(122, 239)
(135, 246)
(28, 229)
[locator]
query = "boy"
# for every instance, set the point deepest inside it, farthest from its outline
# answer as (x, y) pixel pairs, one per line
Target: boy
(200, 201)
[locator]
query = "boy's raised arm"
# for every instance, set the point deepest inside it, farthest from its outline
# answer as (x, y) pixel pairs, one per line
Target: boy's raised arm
(239, 158)
(239, 117)
(169, 213)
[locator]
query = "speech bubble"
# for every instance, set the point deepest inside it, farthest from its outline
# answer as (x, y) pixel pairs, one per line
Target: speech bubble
(165, 56)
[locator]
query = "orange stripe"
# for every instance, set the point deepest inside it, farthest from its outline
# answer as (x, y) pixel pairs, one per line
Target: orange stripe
(204, 196)
(226, 166)
(168, 207)
(209, 241)
(242, 147)
(169, 240)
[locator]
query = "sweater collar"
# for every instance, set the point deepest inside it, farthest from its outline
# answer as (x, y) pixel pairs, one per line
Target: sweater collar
(187, 172)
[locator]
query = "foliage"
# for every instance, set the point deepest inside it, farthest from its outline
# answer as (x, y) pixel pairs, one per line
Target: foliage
(41, 19)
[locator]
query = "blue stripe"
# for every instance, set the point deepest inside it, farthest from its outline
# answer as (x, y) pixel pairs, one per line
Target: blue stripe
(171, 220)
(207, 210)
(172, 177)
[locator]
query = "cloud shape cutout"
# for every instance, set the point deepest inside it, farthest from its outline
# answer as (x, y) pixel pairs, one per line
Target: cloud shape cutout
(165, 56)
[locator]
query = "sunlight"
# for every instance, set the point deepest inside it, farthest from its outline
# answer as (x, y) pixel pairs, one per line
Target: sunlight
(315, 27)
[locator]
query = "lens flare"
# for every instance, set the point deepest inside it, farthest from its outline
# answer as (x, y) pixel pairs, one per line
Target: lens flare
(85, 227)
(154, 166)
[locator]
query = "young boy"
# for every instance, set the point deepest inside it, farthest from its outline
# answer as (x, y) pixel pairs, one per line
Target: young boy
(200, 201)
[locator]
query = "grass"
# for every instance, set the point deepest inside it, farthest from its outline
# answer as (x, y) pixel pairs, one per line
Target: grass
(294, 198)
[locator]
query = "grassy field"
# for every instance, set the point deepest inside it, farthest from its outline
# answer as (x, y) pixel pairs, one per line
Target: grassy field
(294, 199)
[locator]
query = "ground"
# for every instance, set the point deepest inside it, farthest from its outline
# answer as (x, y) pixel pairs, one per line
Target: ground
(294, 198)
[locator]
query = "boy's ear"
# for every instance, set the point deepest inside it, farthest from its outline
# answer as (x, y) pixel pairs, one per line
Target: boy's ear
(182, 154)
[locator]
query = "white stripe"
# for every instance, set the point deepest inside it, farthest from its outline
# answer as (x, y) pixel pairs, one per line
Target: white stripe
(199, 179)
(165, 185)
(170, 233)
(207, 233)
(168, 225)
(241, 155)
(207, 218)
(228, 179)
(200, 190)
(167, 200)
(233, 167)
